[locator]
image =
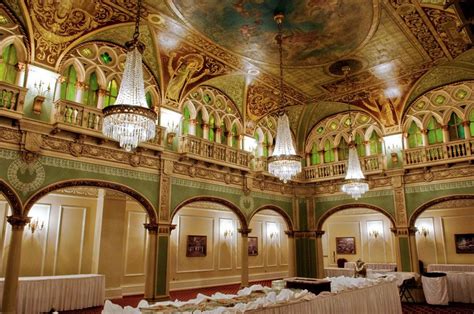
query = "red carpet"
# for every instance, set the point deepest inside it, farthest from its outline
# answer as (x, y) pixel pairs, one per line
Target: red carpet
(183, 295)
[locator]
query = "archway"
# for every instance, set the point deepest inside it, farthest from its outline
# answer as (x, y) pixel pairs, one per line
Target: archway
(279, 210)
(444, 230)
(152, 216)
(204, 247)
(356, 231)
(12, 197)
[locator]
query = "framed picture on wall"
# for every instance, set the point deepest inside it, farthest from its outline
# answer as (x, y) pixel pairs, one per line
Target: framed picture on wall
(464, 243)
(252, 246)
(196, 246)
(345, 245)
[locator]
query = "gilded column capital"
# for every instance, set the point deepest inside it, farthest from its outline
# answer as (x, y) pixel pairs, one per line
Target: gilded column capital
(151, 227)
(244, 232)
(319, 233)
(101, 92)
(290, 233)
(21, 67)
(18, 222)
(165, 228)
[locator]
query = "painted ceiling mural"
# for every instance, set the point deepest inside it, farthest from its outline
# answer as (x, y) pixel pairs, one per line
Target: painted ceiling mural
(313, 34)
(396, 50)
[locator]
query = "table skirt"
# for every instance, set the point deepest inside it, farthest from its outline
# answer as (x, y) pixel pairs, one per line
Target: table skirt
(69, 292)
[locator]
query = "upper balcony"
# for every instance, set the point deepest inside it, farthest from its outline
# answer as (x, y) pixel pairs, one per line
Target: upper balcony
(439, 154)
(74, 117)
(205, 150)
(337, 170)
(12, 98)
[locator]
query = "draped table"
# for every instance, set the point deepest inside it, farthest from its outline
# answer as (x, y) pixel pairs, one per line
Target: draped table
(450, 267)
(373, 266)
(461, 286)
(68, 292)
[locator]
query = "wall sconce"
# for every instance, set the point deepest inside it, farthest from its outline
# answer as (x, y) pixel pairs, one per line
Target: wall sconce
(172, 129)
(35, 224)
(423, 230)
(42, 92)
(374, 233)
(228, 233)
(272, 231)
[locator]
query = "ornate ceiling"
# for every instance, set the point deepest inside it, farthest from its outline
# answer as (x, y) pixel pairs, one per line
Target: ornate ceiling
(396, 49)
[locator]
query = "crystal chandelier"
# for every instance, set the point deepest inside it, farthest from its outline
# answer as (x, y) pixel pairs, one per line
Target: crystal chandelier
(129, 121)
(355, 184)
(284, 163)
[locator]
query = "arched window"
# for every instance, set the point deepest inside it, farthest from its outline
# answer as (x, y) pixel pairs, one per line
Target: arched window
(90, 95)
(8, 70)
(328, 151)
(111, 93)
(414, 136)
(343, 150)
(360, 146)
(314, 155)
(265, 144)
(471, 122)
(455, 128)
(185, 121)
(199, 121)
(212, 128)
(149, 99)
(235, 136)
(435, 132)
(68, 86)
(375, 144)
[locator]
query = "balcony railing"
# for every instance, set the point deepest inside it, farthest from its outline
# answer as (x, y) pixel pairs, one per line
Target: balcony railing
(12, 98)
(74, 117)
(335, 170)
(202, 149)
(439, 153)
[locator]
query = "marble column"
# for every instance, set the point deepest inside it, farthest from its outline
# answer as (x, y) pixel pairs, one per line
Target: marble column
(12, 270)
(101, 98)
(415, 265)
(20, 77)
(244, 281)
(80, 86)
(205, 131)
(467, 130)
(192, 127)
(218, 135)
(150, 260)
(319, 254)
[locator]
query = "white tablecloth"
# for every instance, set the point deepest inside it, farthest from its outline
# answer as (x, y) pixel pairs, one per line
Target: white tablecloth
(382, 298)
(461, 287)
(346, 272)
(450, 267)
(69, 292)
(374, 266)
(435, 290)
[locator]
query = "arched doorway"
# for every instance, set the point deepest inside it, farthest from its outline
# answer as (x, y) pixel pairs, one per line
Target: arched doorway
(442, 226)
(272, 233)
(205, 245)
(88, 226)
(357, 231)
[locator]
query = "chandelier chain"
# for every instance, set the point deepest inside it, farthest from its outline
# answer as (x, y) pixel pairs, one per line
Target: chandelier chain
(280, 51)
(136, 34)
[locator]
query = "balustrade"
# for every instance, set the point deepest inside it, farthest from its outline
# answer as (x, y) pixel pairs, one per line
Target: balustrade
(12, 98)
(203, 149)
(439, 153)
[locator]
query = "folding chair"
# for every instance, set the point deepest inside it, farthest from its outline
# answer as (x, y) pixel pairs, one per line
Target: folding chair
(405, 290)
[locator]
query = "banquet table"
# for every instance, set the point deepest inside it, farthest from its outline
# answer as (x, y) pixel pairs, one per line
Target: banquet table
(68, 292)
(450, 267)
(382, 298)
(461, 287)
(373, 266)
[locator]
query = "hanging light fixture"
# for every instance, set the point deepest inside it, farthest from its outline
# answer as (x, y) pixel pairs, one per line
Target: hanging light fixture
(284, 163)
(355, 184)
(129, 121)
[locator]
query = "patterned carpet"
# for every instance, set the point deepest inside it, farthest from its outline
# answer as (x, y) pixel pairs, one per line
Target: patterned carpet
(408, 308)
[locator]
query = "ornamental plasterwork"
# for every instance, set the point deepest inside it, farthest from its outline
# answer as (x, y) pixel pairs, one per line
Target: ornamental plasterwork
(26, 176)
(233, 86)
(57, 24)
(439, 174)
(439, 186)
(451, 204)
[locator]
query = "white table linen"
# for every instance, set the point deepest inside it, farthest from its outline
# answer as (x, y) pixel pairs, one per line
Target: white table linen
(435, 290)
(373, 266)
(461, 286)
(68, 292)
(450, 267)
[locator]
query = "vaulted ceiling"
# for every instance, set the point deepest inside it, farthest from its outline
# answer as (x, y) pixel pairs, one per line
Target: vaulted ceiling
(396, 49)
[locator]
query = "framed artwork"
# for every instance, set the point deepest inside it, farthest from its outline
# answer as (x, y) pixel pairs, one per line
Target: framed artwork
(196, 246)
(345, 245)
(464, 243)
(252, 246)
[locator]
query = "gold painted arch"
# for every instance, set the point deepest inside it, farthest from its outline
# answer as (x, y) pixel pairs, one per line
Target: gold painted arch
(12, 198)
(276, 209)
